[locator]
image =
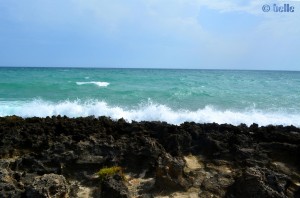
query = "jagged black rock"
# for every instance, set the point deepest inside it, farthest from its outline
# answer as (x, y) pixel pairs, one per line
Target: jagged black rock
(59, 156)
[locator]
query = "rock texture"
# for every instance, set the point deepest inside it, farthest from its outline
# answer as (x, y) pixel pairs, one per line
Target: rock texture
(48, 185)
(59, 156)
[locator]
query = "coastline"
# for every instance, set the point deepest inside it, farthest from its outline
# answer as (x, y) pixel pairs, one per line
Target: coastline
(59, 156)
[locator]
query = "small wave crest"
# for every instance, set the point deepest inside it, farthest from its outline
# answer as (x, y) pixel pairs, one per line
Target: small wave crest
(146, 112)
(99, 84)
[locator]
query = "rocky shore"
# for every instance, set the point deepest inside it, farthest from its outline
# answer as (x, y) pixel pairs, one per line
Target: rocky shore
(60, 157)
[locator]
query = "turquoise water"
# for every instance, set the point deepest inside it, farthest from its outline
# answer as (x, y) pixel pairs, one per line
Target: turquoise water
(175, 96)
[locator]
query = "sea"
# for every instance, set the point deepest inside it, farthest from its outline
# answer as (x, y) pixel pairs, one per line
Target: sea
(167, 95)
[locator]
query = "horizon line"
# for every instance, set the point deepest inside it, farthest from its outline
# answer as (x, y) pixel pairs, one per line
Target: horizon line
(162, 68)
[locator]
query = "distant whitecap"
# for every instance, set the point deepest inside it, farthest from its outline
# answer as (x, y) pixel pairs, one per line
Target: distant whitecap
(99, 84)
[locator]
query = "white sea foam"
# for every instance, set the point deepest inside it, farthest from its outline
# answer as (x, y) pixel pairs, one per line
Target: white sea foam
(146, 112)
(99, 84)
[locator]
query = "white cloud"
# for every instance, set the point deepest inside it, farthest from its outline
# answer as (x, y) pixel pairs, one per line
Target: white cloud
(110, 13)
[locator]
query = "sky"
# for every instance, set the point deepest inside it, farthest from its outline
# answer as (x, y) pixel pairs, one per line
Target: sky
(197, 34)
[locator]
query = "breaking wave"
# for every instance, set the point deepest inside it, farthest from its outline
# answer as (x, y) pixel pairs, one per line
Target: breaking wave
(146, 112)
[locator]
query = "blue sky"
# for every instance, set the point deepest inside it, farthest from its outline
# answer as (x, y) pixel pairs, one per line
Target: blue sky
(202, 34)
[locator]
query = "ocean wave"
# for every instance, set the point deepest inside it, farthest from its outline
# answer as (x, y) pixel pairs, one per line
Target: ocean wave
(146, 112)
(99, 84)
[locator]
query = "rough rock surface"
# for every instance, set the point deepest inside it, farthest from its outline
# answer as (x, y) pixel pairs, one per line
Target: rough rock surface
(48, 185)
(114, 187)
(59, 156)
